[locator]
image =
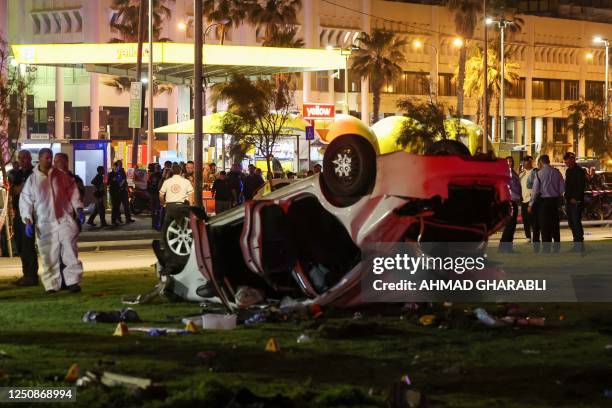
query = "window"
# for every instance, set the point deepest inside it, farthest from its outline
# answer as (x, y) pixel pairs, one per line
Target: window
(40, 120)
(516, 89)
(594, 90)
(354, 82)
(416, 83)
(570, 90)
(559, 133)
(446, 86)
(321, 81)
(546, 89)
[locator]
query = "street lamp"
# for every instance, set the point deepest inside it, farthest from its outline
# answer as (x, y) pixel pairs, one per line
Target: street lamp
(606, 44)
(433, 85)
(457, 42)
(502, 24)
(346, 52)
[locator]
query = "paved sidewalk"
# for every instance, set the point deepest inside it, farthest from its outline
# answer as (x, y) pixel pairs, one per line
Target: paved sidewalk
(92, 261)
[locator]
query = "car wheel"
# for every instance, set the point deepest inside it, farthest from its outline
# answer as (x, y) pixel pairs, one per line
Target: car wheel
(178, 237)
(447, 147)
(349, 166)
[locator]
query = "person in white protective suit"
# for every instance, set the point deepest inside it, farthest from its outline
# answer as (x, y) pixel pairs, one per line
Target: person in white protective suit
(47, 204)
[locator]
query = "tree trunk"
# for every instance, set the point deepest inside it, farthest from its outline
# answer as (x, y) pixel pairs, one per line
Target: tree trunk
(461, 81)
(376, 89)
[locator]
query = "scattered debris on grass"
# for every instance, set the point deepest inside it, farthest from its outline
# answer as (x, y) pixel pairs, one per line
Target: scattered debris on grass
(4, 355)
(355, 329)
(121, 330)
(303, 338)
(73, 373)
(127, 315)
(405, 395)
(427, 320)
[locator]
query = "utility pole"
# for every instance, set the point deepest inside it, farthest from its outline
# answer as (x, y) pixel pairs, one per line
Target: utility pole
(197, 91)
(485, 99)
(136, 132)
(151, 117)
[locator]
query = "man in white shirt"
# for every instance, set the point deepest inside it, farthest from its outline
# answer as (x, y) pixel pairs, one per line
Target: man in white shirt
(175, 194)
(47, 204)
(532, 231)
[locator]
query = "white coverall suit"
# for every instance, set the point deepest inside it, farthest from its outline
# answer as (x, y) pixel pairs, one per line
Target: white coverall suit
(49, 202)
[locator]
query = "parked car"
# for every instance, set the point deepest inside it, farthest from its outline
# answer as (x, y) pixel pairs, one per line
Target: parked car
(307, 238)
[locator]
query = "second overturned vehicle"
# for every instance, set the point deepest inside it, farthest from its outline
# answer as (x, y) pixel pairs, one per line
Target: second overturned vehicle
(306, 239)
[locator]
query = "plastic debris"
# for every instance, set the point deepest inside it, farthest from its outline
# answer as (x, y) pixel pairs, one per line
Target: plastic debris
(561, 317)
(191, 327)
(484, 317)
(531, 321)
(427, 320)
(114, 380)
(73, 373)
(256, 318)
(272, 345)
(218, 322)
(121, 330)
(357, 316)
(87, 379)
(406, 379)
(608, 347)
(4, 354)
(315, 310)
(303, 338)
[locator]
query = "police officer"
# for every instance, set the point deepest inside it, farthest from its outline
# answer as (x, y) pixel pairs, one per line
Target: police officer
(26, 246)
(575, 186)
(548, 187)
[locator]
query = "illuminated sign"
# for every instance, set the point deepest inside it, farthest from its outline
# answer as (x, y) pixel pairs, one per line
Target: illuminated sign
(318, 111)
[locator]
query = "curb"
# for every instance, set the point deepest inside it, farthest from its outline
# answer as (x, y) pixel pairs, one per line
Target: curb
(109, 245)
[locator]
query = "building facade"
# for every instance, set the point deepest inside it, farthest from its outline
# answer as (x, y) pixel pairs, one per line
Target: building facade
(558, 63)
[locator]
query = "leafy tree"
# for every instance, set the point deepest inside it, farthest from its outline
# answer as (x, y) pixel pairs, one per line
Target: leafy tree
(259, 115)
(427, 125)
(379, 58)
(585, 119)
(474, 73)
(284, 38)
(466, 14)
(13, 97)
(235, 12)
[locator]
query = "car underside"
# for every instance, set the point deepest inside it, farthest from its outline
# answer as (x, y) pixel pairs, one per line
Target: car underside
(305, 240)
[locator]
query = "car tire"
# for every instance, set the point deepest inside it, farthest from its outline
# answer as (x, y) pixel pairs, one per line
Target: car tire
(448, 147)
(349, 166)
(177, 238)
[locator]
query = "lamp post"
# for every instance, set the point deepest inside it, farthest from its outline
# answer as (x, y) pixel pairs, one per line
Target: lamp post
(433, 85)
(501, 24)
(485, 106)
(150, 135)
(346, 52)
(606, 43)
(198, 91)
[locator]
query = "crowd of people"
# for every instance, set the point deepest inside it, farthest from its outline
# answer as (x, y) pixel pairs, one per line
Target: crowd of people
(539, 191)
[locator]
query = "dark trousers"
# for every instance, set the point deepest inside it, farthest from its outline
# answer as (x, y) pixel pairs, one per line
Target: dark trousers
(26, 248)
(125, 202)
(510, 228)
(548, 218)
(530, 223)
(115, 207)
(155, 207)
(574, 220)
(99, 210)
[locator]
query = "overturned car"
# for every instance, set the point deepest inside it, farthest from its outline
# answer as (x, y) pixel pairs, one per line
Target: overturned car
(306, 238)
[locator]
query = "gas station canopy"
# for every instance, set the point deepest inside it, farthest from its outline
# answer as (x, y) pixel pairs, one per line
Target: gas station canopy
(174, 61)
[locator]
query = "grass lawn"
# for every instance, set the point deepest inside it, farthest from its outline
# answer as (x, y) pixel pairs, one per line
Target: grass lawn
(347, 363)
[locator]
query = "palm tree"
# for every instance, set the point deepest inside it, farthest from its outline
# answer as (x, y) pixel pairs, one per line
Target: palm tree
(466, 17)
(379, 58)
(126, 25)
(234, 12)
(272, 15)
(584, 118)
(126, 21)
(474, 73)
(284, 38)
